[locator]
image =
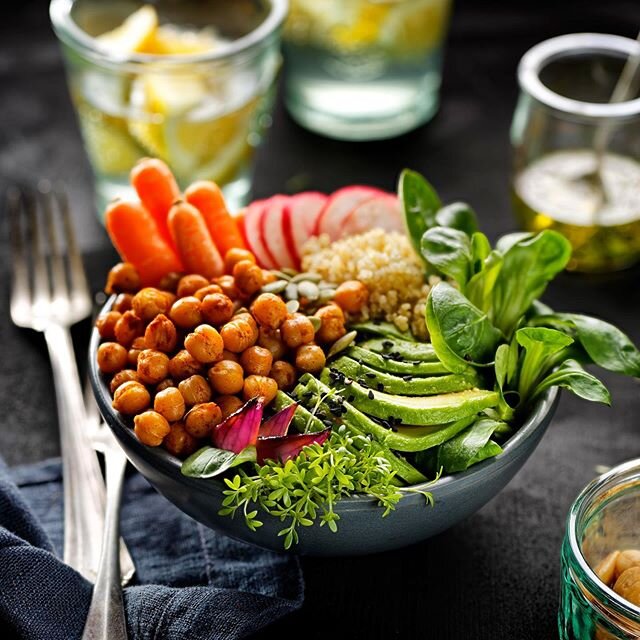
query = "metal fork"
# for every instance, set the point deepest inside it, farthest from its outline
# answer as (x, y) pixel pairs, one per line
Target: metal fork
(49, 294)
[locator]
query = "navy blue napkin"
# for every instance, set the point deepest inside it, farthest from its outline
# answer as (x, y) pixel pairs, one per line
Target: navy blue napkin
(190, 583)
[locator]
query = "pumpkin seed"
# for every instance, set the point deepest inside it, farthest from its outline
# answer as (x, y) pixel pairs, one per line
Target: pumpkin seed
(342, 343)
(326, 295)
(326, 285)
(291, 291)
(309, 290)
(281, 275)
(275, 287)
(289, 271)
(316, 322)
(293, 306)
(310, 277)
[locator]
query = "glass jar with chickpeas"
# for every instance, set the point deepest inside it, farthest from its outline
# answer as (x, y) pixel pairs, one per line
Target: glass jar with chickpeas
(185, 355)
(600, 597)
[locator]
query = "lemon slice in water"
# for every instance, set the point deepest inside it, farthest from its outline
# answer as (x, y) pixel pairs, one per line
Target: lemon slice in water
(133, 35)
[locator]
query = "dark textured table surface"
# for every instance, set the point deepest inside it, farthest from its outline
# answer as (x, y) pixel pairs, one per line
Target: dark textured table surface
(497, 574)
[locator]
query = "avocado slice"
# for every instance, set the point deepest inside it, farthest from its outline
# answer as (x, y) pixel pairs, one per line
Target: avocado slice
(405, 439)
(382, 329)
(407, 385)
(390, 365)
(401, 349)
(303, 421)
(417, 410)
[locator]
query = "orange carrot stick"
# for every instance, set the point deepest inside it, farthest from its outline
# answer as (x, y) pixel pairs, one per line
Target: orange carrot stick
(193, 242)
(157, 189)
(208, 199)
(135, 236)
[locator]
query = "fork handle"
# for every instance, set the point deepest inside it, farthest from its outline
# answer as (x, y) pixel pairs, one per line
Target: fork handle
(106, 618)
(83, 486)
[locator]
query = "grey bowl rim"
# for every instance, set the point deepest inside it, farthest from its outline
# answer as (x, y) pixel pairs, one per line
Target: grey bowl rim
(164, 462)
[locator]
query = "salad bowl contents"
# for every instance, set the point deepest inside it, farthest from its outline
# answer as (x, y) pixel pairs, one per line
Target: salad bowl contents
(333, 374)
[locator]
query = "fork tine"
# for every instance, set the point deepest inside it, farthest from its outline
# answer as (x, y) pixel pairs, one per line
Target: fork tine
(40, 293)
(58, 275)
(77, 277)
(20, 297)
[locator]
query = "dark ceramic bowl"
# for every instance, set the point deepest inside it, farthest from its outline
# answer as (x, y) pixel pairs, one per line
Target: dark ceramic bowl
(361, 529)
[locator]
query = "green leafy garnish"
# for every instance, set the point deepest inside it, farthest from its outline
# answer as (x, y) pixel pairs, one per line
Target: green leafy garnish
(210, 461)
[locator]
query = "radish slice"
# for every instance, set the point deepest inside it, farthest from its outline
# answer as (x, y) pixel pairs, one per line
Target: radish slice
(340, 204)
(300, 218)
(381, 212)
(253, 233)
(272, 229)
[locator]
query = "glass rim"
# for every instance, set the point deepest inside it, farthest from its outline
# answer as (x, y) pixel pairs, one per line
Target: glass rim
(541, 54)
(68, 31)
(594, 489)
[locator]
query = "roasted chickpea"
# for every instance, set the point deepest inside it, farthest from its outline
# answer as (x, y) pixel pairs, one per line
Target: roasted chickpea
(171, 298)
(260, 386)
(189, 284)
(217, 308)
(185, 312)
(151, 428)
(332, 323)
(149, 302)
(153, 366)
(269, 310)
(137, 346)
(128, 327)
(169, 282)
(122, 302)
(131, 398)
(238, 335)
(310, 358)
(202, 418)
(170, 404)
(256, 360)
(179, 442)
(226, 377)
(297, 330)
(228, 286)
(208, 290)
(204, 344)
(183, 365)
(284, 374)
(122, 277)
(248, 276)
(112, 357)
(271, 339)
(351, 296)
(228, 355)
(126, 375)
(167, 383)
(235, 255)
(106, 324)
(228, 405)
(161, 334)
(195, 390)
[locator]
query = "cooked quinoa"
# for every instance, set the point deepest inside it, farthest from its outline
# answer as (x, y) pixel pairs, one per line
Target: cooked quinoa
(387, 264)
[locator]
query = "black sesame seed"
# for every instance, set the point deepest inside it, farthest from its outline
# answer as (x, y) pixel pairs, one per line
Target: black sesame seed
(351, 398)
(380, 386)
(387, 344)
(370, 375)
(370, 395)
(394, 430)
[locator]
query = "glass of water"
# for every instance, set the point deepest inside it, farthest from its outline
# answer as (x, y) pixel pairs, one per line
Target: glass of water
(190, 82)
(364, 69)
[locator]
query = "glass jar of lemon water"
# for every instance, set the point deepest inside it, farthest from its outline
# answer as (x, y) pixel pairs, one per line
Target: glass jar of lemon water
(189, 82)
(364, 69)
(566, 84)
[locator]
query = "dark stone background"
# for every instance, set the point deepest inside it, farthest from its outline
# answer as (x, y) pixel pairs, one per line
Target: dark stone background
(495, 575)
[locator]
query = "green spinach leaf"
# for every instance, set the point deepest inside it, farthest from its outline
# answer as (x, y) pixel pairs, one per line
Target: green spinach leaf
(458, 215)
(449, 251)
(570, 375)
(420, 203)
(490, 450)
(461, 333)
(210, 461)
(480, 287)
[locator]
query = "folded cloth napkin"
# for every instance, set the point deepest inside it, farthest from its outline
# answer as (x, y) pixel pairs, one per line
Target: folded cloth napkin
(190, 581)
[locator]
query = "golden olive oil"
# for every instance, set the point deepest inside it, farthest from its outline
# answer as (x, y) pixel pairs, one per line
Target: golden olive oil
(603, 226)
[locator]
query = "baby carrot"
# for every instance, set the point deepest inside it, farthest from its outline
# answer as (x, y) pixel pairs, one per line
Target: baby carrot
(193, 242)
(157, 189)
(135, 236)
(208, 199)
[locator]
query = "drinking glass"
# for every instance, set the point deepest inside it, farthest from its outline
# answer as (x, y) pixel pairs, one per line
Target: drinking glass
(364, 69)
(604, 518)
(203, 113)
(566, 84)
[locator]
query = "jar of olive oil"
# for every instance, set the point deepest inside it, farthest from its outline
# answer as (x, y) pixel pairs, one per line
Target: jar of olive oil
(560, 182)
(604, 519)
